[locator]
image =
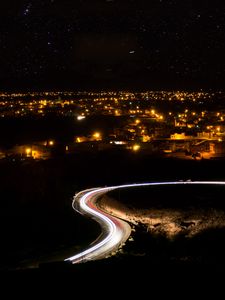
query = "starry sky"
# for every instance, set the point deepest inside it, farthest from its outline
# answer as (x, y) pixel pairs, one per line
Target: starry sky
(112, 44)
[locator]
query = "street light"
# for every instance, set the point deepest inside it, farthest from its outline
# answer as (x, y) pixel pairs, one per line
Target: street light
(97, 135)
(136, 147)
(28, 151)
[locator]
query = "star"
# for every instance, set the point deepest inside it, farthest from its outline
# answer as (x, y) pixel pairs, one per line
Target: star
(27, 10)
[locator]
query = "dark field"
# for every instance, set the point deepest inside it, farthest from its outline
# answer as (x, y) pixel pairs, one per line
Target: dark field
(176, 223)
(32, 129)
(180, 196)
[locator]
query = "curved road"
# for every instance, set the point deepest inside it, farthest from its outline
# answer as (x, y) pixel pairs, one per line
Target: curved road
(114, 230)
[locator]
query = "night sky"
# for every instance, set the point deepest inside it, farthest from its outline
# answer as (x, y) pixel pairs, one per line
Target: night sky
(112, 44)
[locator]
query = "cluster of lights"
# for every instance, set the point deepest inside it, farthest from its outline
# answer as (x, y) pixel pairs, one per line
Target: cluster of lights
(144, 120)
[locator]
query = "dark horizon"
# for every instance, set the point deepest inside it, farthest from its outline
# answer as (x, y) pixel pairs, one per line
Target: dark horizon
(38, 88)
(12, 86)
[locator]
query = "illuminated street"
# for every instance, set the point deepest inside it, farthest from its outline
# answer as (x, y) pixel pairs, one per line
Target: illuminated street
(114, 231)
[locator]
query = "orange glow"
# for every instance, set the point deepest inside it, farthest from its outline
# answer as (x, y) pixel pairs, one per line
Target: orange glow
(97, 136)
(136, 147)
(35, 154)
(28, 151)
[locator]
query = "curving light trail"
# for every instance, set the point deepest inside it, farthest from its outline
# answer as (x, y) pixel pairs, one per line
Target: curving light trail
(114, 230)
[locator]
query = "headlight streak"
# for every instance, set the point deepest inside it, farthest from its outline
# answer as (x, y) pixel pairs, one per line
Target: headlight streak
(84, 202)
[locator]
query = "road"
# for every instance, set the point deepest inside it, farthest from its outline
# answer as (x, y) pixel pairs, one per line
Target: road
(115, 231)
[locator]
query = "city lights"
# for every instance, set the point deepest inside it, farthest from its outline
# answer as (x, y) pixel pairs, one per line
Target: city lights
(102, 94)
(97, 135)
(145, 123)
(79, 118)
(28, 151)
(136, 147)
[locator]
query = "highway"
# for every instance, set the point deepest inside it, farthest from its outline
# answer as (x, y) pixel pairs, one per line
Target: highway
(115, 231)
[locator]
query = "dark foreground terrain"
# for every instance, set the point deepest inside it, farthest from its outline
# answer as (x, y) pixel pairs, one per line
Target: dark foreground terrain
(39, 228)
(129, 278)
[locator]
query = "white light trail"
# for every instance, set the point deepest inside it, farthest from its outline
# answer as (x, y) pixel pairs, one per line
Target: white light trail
(117, 230)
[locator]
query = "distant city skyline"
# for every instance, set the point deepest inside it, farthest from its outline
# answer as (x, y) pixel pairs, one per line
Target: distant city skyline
(114, 45)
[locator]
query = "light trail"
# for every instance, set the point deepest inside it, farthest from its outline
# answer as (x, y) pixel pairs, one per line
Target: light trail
(115, 231)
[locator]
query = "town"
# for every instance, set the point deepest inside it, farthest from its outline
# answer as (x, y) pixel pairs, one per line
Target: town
(185, 125)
